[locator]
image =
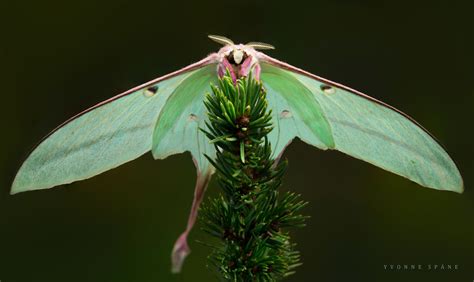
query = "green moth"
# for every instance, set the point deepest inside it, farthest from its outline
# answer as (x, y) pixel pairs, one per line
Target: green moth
(164, 116)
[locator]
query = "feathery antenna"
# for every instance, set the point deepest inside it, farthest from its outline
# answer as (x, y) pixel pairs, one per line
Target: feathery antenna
(260, 46)
(221, 40)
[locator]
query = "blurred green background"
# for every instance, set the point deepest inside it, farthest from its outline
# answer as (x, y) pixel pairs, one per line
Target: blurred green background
(59, 57)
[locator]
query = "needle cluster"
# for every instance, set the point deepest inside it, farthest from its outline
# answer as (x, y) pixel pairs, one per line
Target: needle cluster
(250, 216)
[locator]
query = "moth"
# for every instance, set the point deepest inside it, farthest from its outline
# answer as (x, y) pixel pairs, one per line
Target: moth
(165, 115)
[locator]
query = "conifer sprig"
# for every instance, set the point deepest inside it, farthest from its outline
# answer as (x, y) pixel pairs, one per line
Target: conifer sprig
(249, 216)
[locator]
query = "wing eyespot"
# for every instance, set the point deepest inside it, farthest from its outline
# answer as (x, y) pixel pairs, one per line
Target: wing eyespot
(286, 114)
(327, 89)
(151, 91)
(193, 117)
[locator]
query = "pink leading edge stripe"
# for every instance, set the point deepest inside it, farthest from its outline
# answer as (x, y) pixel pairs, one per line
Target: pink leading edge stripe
(212, 58)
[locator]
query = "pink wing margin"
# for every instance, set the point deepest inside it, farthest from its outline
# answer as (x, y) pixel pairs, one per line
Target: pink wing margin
(267, 59)
(181, 249)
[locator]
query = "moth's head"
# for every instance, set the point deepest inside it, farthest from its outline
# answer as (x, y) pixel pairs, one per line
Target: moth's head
(236, 56)
(237, 53)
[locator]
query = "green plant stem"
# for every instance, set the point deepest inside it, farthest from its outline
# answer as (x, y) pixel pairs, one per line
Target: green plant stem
(250, 216)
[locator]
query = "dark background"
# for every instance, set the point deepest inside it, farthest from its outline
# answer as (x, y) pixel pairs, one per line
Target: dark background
(59, 57)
